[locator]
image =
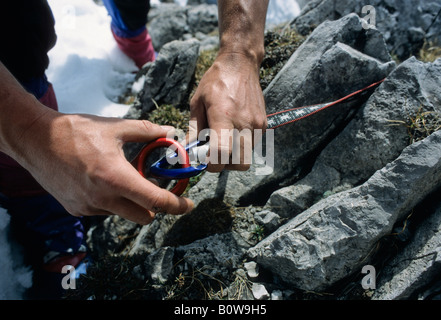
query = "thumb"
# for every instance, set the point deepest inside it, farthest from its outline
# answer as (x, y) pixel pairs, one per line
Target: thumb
(143, 131)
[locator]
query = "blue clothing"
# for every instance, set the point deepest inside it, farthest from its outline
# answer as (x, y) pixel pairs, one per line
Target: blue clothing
(29, 35)
(129, 18)
(44, 227)
(37, 86)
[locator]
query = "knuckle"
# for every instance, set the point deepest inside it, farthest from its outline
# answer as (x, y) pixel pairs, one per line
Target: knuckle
(244, 167)
(264, 123)
(158, 202)
(147, 125)
(260, 122)
(215, 168)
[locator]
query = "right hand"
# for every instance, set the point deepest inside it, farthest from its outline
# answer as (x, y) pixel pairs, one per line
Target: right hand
(79, 160)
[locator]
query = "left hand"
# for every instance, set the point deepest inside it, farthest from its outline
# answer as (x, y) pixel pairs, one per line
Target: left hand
(229, 97)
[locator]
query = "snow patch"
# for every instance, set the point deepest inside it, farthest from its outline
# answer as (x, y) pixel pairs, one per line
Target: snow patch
(15, 277)
(86, 68)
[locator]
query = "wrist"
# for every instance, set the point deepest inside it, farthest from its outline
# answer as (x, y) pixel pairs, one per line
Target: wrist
(237, 61)
(236, 51)
(23, 122)
(242, 28)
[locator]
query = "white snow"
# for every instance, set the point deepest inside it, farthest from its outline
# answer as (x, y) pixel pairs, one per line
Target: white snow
(14, 277)
(280, 11)
(86, 67)
(87, 71)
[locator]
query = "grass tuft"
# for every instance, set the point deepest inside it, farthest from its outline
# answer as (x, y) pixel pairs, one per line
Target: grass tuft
(421, 125)
(429, 52)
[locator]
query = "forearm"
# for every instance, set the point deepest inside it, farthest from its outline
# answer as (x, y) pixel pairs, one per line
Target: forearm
(19, 110)
(242, 27)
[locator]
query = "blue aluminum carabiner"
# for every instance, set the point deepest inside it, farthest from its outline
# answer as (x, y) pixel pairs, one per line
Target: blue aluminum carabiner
(158, 168)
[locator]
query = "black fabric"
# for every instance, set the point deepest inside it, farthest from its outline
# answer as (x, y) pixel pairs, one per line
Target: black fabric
(133, 12)
(27, 34)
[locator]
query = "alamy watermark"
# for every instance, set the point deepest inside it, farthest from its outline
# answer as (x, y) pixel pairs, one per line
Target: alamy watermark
(369, 19)
(232, 147)
(69, 280)
(369, 280)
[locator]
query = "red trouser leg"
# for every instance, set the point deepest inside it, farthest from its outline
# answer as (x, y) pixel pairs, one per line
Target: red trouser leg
(139, 48)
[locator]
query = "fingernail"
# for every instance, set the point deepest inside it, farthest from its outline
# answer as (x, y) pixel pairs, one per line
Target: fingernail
(168, 128)
(190, 207)
(170, 131)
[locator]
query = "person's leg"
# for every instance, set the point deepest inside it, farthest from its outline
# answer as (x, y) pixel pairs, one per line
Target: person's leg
(15, 181)
(50, 236)
(128, 26)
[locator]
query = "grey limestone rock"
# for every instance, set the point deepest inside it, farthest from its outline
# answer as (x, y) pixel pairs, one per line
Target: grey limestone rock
(415, 267)
(333, 238)
(330, 64)
(168, 78)
(371, 140)
(404, 24)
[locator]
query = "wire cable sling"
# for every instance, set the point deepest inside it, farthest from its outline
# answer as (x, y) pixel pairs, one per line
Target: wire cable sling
(186, 171)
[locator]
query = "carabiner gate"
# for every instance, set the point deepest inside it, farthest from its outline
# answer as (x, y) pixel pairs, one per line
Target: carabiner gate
(158, 168)
(182, 156)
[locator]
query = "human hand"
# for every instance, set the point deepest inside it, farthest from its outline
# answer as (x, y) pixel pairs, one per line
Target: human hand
(229, 97)
(79, 160)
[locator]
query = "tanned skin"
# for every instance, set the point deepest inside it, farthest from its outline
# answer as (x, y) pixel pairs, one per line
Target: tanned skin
(79, 158)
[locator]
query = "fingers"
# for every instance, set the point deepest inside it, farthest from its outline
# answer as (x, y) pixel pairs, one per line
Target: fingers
(198, 120)
(133, 212)
(141, 206)
(149, 199)
(142, 131)
(242, 150)
(221, 146)
(144, 198)
(193, 131)
(230, 148)
(128, 210)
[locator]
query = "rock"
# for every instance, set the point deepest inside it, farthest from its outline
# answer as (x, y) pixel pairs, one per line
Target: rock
(333, 238)
(168, 78)
(111, 236)
(159, 264)
(202, 19)
(412, 89)
(405, 24)
(172, 22)
(208, 43)
(209, 218)
(215, 255)
(153, 236)
(259, 291)
(302, 3)
(195, 2)
(277, 295)
(333, 62)
(433, 291)
(252, 270)
(415, 267)
(167, 24)
(239, 288)
(268, 219)
(342, 180)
